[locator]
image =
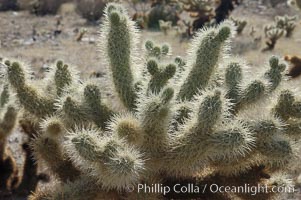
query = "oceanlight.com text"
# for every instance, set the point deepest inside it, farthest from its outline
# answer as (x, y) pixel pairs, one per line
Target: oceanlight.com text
(210, 188)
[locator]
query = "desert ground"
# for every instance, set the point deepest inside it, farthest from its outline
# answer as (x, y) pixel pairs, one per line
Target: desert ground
(35, 41)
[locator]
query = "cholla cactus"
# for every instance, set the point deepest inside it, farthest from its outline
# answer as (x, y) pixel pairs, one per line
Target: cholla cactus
(8, 169)
(240, 25)
(165, 26)
(287, 23)
(201, 10)
(13, 183)
(273, 34)
(189, 121)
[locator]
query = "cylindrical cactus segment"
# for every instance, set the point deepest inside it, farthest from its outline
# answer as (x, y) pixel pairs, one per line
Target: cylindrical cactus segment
(57, 162)
(233, 78)
(127, 127)
(155, 114)
(8, 122)
(207, 54)
(28, 96)
(210, 111)
(284, 105)
(120, 51)
(4, 98)
(97, 111)
(274, 74)
(251, 93)
(62, 77)
(115, 163)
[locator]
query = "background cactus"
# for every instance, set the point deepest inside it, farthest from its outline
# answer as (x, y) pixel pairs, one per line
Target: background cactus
(8, 169)
(165, 26)
(287, 23)
(272, 33)
(240, 24)
(183, 121)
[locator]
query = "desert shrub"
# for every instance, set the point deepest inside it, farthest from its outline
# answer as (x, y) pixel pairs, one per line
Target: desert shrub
(8, 5)
(274, 3)
(163, 11)
(140, 8)
(91, 10)
(45, 7)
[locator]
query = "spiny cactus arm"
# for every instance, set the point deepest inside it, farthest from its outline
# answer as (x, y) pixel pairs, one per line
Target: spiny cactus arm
(56, 161)
(231, 143)
(27, 95)
(296, 110)
(159, 77)
(284, 107)
(118, 38)
(266, 147)
(257, 88)
(155, 50)
(180, 62)
(127, 127)
(250, 94)
(293, 129)
(165, 49)
(233, 77)
(265, 129)
(154, 113)
(8, 122)
(97, 110)
(62, 77)
(4, 98)
(274, 147)
(185, 153)
(48, 149)
(232, 148)
(182, 112)
(276, 153)
(274, 74)
(206, 53)
(293, 107)
(111, 160)
(233, 167)
(72, 112)
(52, 127)
(209, 112)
